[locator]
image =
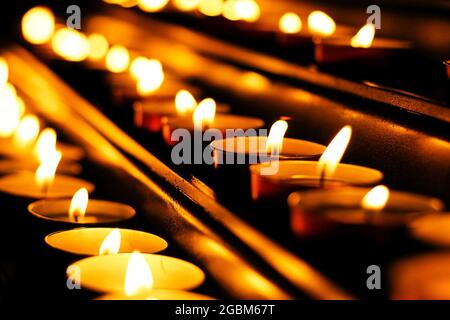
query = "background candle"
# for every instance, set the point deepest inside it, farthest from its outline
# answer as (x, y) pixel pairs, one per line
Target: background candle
(433, 229)
(158, 295)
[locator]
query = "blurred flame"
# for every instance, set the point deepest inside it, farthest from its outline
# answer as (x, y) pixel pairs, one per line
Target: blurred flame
(10, 110)
(274, 143)
(290, 23)
(152, 5)
(247, 10)
(45, 173)
(376, 198)
(117, 59)
(186, 5)
(71, 44)
(138, 276)
(46, 144)
(321, 24)
(79, 204)
(211, 8)
(27, 131)
(98, 46)
(38, 25)
(4, 72)
(334, 152)
(364, 37)
(184, 102)
(204, 114)
(150, 76)
(137, 67)
(111, 244)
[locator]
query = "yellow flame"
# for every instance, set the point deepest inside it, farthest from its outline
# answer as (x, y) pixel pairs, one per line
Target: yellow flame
(4, 72)
(27, 131)
(38, 25)
(152, 5)
(334, 152)
(117, 59)
(71, 44)
(186, 5)
(98, 46)
(10, 110)
(290, 23)
(138, 276)
(211, 8)
(45, 173)
(111, 244)
(137, 67)
(321, 24)
(204, 114)
(46, 144)
(184, 102)
(364, 37)
(79, 204)
(376, 198)
(274, 142)
(247, 10)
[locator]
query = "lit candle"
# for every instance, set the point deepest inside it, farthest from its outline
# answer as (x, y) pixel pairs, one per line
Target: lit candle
(71, 44)
(101, 241)
(158, 295)
(81, 210)
(38, 25)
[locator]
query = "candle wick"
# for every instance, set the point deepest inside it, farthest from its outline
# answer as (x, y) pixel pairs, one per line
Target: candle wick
(322, 176)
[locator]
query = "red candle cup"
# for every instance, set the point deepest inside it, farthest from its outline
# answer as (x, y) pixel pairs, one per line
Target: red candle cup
(447, 68)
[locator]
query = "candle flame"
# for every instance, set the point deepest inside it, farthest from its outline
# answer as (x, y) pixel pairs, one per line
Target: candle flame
(38, 25)
(247, 10)
(152, 5)
(149, 75)
(211, 8)
(274, 141)
(290, 23)
(98, 46)
(4, 72)
(27, 131)
(205, 113)
(71, 44)
(321, 24)
(45, 173)
(46, 144)
(376, 198)
(138, 276)
(117, 59)
(79, 204)
(185, 102)
(334, 152)
(186, 5)
(364, 37)
(10, 110)
(111, 244)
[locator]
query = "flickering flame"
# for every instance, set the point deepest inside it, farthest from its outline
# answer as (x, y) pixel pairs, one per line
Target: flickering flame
(247, 10)
(117, 59)
(45, 173)
(38, 25)
(334, 152)
(98, 46)
(111, 244)
(152, 5)
(211, 8)
(138, 276)
(321, 24)
(4, 72)
(290, 23)
(27, 131)
(46, 143)
(137, 67)
(184, 102)
(274, 143)
(71, 44)
(186, 5)
(376, 198)
(205, 113)
(10, 110)
(79, 204)
(364, 37)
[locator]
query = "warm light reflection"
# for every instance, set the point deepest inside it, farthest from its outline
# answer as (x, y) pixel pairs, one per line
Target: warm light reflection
(138, 277)
(185, 103)
(4, 72)
(46, 144)
(290, 23)
(152, 5)
(364, 37)
(274, 143)
(70, 44)
(111, 244)
(79, 204)
(247, 10)
(26, 132)
(321, 24)
(38, 25)
(10, 110)
(45, 173)
(211, 8)
(117, 59)
(186, 5)
(98, 46)
(376, 198)
(334, 152)
(204, 114)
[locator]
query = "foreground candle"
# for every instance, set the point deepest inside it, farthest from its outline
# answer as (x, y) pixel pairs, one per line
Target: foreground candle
(158, 295)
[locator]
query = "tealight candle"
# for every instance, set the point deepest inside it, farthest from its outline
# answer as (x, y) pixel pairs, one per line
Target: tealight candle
(80, 210)
(99, 241)
(8, 166)
(135, 273)
(158, 295)
(432, 229)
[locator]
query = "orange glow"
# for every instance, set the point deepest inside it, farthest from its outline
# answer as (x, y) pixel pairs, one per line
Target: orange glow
(364, 37)
(138, 277)
(70, 44)
(184, 102)
(247, 10)
(211, 8)
(149, 74)
(4, 72)
(26, 132)
(98, 46)
(46, 144)
(204, 114)
(186, 5)
(137, 67)
(321, 24)
(38, 25)
(376, 198)
(10, 110)
(117, 59)
(111, 244)
(274, 143)
(79, 204)
(290, 23)
(334, 152)
(152, 5)
(45, 173)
